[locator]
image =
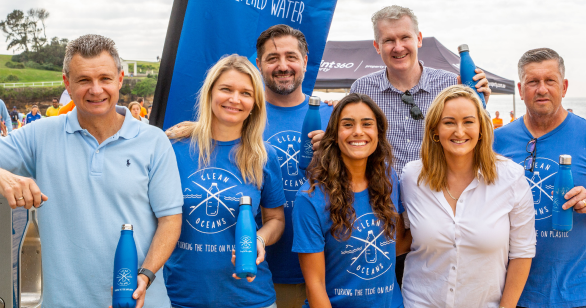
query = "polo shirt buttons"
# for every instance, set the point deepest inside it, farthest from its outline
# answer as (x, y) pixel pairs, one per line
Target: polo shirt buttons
(408, 140)
(406, 118)
(97, 151)
(451, 290)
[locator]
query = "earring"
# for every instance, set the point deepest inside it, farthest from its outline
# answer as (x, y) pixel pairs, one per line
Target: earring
(479, 138)
(433, 138)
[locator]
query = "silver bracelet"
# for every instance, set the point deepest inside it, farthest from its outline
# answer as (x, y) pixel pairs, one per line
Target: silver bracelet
(262, 240)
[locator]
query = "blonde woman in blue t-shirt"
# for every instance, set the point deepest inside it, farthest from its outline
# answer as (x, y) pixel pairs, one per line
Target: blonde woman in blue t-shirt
(224, 159)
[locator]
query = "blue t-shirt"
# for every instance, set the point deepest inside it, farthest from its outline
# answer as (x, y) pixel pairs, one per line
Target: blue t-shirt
(30, 117)
(199, 272)
(283, 134)
(360, 272)
(558, 271)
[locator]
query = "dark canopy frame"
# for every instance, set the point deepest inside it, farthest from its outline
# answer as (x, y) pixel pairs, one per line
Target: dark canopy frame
(345, 61)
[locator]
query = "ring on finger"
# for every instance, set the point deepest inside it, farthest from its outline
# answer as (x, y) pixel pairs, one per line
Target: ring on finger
(584, 201)
(18, 199)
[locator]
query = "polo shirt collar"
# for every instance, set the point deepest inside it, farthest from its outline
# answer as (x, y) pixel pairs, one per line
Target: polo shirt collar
(423, 83)
(130, 127)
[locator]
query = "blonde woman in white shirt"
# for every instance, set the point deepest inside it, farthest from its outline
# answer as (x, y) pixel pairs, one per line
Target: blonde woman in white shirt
(471, 212)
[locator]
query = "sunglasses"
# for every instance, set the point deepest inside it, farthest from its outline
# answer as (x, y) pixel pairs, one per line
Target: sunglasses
(531, 148)
(414, 111)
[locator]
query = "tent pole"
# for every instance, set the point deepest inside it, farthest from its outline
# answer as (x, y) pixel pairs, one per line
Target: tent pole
(514, 105)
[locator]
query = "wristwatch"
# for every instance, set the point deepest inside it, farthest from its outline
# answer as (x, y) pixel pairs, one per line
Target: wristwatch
(150, 275)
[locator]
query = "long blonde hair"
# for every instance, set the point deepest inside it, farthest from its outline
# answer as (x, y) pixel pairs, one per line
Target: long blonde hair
(434, 171)
(250, 154)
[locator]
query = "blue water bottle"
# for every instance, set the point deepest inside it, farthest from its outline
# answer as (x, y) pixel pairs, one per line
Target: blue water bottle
(245, 240)
(467, 72)
(125, 268)
(562, 220)
(311, 122)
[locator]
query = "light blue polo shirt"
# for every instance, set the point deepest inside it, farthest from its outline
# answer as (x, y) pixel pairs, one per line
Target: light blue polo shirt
(93, 189)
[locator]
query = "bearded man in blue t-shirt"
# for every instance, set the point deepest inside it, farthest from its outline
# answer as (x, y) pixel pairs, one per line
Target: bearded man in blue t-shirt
(547, 130)
(282, 60)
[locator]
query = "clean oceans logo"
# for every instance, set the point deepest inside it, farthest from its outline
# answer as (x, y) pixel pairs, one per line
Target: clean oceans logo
(371, 253)
(216, 194)
(123, 277)
(541, 182)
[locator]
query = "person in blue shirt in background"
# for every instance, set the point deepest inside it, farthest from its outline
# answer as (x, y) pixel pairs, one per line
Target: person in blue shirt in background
(346, 216)
(33, 115)
(225, 159)
(5, 116)
(558, 272)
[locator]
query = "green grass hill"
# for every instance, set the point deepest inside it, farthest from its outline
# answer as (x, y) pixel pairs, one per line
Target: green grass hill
(35, 75)
(27, 74)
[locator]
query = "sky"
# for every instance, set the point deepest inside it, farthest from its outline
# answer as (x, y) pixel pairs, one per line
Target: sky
(497, 32)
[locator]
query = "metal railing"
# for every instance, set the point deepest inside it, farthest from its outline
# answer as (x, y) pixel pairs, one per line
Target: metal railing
(32, 84)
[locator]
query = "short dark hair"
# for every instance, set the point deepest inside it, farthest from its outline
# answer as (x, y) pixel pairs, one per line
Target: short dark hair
(140, 100)
(55, 99)
(277, 31)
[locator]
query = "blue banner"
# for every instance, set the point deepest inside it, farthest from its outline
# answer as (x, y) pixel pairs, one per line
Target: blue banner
(211, 29)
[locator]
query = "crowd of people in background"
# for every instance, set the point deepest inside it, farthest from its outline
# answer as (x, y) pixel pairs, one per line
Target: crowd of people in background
(16, 119)
(414, 197)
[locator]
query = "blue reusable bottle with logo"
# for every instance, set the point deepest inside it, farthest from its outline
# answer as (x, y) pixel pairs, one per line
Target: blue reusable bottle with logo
(311, 122)
(562, 220)
(125, 268)
(245, 240)
(467, 72)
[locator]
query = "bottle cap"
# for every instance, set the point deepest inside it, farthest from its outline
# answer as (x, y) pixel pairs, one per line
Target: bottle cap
(245, 200)
(126, 227)
(463, 47)
(565, 159)
(314, 100)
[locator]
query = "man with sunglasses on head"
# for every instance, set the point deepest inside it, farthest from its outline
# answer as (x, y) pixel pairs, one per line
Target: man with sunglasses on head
(536, 140)
(405, 88)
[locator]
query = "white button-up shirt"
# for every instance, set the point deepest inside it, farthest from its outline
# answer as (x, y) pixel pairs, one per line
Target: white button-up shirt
(461, 260)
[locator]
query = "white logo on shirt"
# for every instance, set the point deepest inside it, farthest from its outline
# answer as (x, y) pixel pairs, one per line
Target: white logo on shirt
(369, 261)
(541, 182)
(215, 210)
(287, 145)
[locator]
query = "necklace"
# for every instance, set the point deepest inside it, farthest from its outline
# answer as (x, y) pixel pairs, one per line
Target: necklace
(450, 194)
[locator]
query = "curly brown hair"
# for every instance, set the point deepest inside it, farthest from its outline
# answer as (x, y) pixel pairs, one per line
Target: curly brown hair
(328, 171)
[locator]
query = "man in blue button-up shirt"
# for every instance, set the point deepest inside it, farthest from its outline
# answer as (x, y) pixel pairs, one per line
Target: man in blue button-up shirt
(117, 170)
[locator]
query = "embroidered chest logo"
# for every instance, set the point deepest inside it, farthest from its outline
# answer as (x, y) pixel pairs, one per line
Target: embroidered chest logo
(368, 248)
(541, 182)
(128, 163)
(216, 201)
(287, 145)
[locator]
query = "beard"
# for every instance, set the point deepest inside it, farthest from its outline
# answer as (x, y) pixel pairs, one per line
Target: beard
(283, 89)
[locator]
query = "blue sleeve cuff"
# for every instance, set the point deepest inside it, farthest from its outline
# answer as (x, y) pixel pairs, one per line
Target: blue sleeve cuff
(169, 212)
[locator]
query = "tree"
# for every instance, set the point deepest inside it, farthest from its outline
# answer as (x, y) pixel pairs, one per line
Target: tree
(146, 87)
(33, 17)
(16, 29)
(23, 30)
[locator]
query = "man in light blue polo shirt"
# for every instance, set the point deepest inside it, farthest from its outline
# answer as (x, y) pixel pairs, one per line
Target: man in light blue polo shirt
(117, 170)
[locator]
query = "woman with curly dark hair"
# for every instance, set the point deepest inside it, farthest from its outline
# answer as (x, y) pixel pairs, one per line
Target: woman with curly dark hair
(346, 216)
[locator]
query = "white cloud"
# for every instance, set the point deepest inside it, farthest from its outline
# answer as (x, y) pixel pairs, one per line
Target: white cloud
(498, 31)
